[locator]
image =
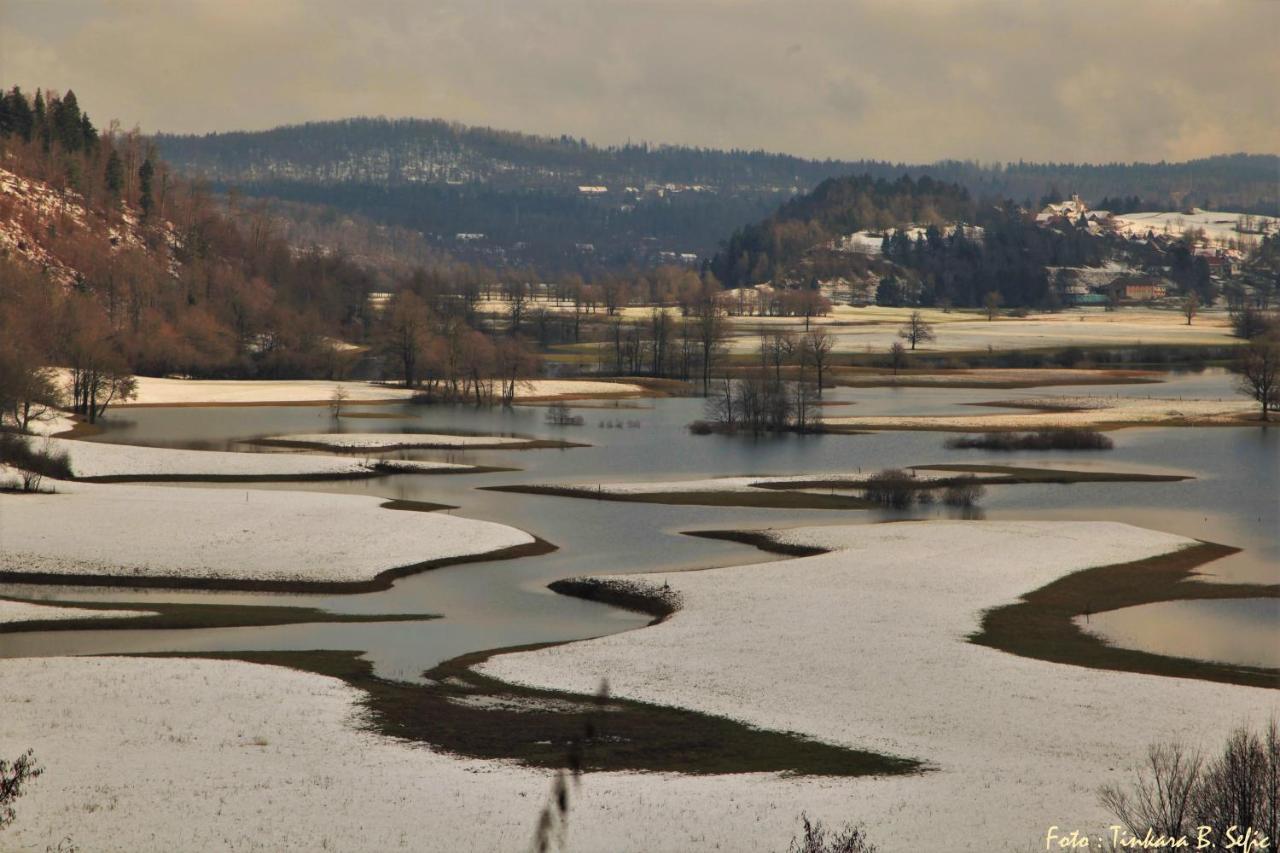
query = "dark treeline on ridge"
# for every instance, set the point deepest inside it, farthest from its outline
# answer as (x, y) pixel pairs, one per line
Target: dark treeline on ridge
(567, 205)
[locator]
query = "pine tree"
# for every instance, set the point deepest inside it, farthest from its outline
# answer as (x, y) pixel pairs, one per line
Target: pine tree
(114, 174)
(20, 113)
(144, 187)
(66, 122)
(88, 133)
(41, 121)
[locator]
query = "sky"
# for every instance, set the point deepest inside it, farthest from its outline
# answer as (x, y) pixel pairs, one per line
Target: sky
(901, 80)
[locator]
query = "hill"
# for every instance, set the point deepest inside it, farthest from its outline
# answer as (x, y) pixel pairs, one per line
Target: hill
(565, 204)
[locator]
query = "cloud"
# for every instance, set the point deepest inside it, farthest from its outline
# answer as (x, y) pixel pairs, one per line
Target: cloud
(913, 81)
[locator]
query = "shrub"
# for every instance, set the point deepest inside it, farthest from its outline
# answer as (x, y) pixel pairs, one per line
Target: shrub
(702, 428)
(1046, 439)
(14, 778)
(34, 464)
(966, 491)
(816, 838)
(892, 487)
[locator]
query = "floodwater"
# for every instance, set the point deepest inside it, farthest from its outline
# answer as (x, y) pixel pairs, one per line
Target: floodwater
(1234, 499)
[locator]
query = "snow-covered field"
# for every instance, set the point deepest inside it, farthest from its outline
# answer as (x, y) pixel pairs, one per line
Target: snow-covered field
(229, 534)
(24, 611)
(865, 646)
(844, 647)
(154, 391)
(1093, 411)
(99, 459)
(875, 329)
(999, 376)
(1219, 226)
(397, 440)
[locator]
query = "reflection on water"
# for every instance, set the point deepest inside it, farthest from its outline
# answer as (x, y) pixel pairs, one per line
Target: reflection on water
(1239, 631)
(1233, 500)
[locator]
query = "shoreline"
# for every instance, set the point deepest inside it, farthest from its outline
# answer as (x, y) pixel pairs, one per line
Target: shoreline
(1039, 625)
(381, 581)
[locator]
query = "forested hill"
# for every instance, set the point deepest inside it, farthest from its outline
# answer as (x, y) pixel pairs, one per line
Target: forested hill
(562, 203)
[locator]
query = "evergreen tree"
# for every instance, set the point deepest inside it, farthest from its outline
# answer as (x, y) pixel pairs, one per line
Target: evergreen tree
(88, 133)
(20, 113)
(41, 121)
(114, 175)
(65, 116)
(144, 186)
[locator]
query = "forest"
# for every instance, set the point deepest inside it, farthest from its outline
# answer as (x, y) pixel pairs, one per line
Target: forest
(521, 191)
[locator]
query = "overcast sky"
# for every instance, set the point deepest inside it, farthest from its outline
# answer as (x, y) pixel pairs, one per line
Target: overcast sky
(1082, 80)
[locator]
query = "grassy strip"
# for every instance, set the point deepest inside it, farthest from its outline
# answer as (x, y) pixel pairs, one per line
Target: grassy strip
(763, 499)
(938, 423)
(531, 444)
(414, 506)
(381, 581)
(1004, 474)
(1041, 624)
(464, 713)
(188, 616)
(620, 592)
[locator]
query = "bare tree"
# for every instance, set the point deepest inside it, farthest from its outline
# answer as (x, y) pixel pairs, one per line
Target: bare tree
(1241, 787)
(991, 303)
(1162, 796)
(406, 333)
(712, 329)
(517, 292)
(1178, 793)
(1190, 306)
(336, 399)
(29, 391)
(897, 356)
(916, 330)
(816, 348)
(1260, 373)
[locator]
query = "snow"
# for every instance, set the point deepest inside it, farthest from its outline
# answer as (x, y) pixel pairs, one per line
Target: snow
(1219, 226)
(873, 329)
(154, 391)
(996, 376)
(872, 636)
(23, 611)
(1094, 411)
(394, 440)
(201, 533)
(538, 388)
(851, 654)
(99, 459)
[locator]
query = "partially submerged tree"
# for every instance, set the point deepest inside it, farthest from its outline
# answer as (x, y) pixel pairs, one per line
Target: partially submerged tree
(916, 330)
(815, 349)
(1260, 373)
